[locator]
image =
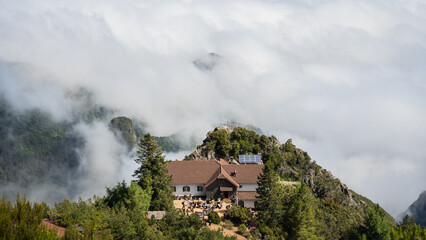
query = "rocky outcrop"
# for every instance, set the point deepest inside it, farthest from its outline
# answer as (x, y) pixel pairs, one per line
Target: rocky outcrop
(418, 209)
(123, 126)
(324, 185)
(203, 152)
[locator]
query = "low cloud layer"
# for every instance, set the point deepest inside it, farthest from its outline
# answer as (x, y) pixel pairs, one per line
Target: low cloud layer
(344, 79)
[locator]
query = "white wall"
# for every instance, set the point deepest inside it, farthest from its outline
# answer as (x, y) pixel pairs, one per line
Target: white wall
(247, 187)
(193, 190)
(249, 203)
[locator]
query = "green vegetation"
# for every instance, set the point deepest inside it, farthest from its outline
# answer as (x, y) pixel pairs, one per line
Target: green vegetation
(214, 217)
(22, 219)
(374, 226)
(34, 148)
(408, 229)
(319, 207)
(219, 142)
(239, 215)
(152, 174)
(120, 214)
(171, 143)
(124, 126)
(242, 229)
(240, 141)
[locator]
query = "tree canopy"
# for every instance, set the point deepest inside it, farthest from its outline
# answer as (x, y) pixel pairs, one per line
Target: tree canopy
(152, 174)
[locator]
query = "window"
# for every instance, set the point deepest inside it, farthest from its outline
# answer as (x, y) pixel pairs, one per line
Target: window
(199, 188)
(186, 189)
(174, 189)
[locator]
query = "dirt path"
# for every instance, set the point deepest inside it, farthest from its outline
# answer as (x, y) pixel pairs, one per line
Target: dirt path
(59, 230)
(227, 232)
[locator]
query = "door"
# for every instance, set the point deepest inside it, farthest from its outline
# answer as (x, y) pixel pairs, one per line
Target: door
(226, 194)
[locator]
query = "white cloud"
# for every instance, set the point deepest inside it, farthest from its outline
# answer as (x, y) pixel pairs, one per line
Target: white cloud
(345, 79)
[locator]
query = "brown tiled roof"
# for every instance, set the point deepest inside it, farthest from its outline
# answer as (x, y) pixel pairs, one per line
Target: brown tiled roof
(246, 195)
(244, 173)
(223, 162)
(206, 171)
(222, 174)
(192, 171)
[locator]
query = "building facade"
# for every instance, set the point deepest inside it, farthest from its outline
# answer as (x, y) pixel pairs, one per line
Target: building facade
(215, 179)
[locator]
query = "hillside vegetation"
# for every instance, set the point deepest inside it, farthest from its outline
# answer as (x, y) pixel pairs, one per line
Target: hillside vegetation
(120, 214)
(34, 148)
(336, 211)
(318, 207)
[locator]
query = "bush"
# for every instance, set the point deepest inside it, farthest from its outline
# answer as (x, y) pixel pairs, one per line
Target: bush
(242, 229)
(21, 220)
(239, 214)
(214, 217)
(228, 224)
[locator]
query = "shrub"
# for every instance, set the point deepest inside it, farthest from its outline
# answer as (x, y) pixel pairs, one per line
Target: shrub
(239, 214)
(242, 229)
(21, 220)
(214, 217)
(228, 224)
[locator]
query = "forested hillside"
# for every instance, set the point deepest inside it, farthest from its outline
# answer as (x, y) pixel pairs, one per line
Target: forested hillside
(297, 200)
(418, 209)
(320, 201)
(120, 214)
(34, 148)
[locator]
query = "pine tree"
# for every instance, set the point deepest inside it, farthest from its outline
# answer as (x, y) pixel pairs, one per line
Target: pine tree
(302, 215)
(152, 174)
(375, 227)
(272, 203)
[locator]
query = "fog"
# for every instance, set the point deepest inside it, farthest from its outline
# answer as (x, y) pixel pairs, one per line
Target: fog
(343, 79)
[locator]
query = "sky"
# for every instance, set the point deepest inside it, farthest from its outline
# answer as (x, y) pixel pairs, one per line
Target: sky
(344, 79)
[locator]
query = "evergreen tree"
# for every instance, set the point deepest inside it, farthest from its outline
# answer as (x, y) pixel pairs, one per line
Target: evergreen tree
(152, 174)
(302, 216)
(375, 226)
(408, 223)
(272, 203)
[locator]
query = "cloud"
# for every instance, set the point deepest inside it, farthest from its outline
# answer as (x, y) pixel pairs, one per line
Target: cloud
(344, 79)
(104, 160)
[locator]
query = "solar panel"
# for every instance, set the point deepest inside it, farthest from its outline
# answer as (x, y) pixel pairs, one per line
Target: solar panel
(249, 158)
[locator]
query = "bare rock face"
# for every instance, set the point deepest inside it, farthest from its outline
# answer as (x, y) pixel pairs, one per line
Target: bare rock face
(345, 190)
(203, 154)
(226, 128)
(309, 179)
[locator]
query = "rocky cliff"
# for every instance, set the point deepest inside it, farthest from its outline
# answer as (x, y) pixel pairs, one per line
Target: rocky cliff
(418, 209)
